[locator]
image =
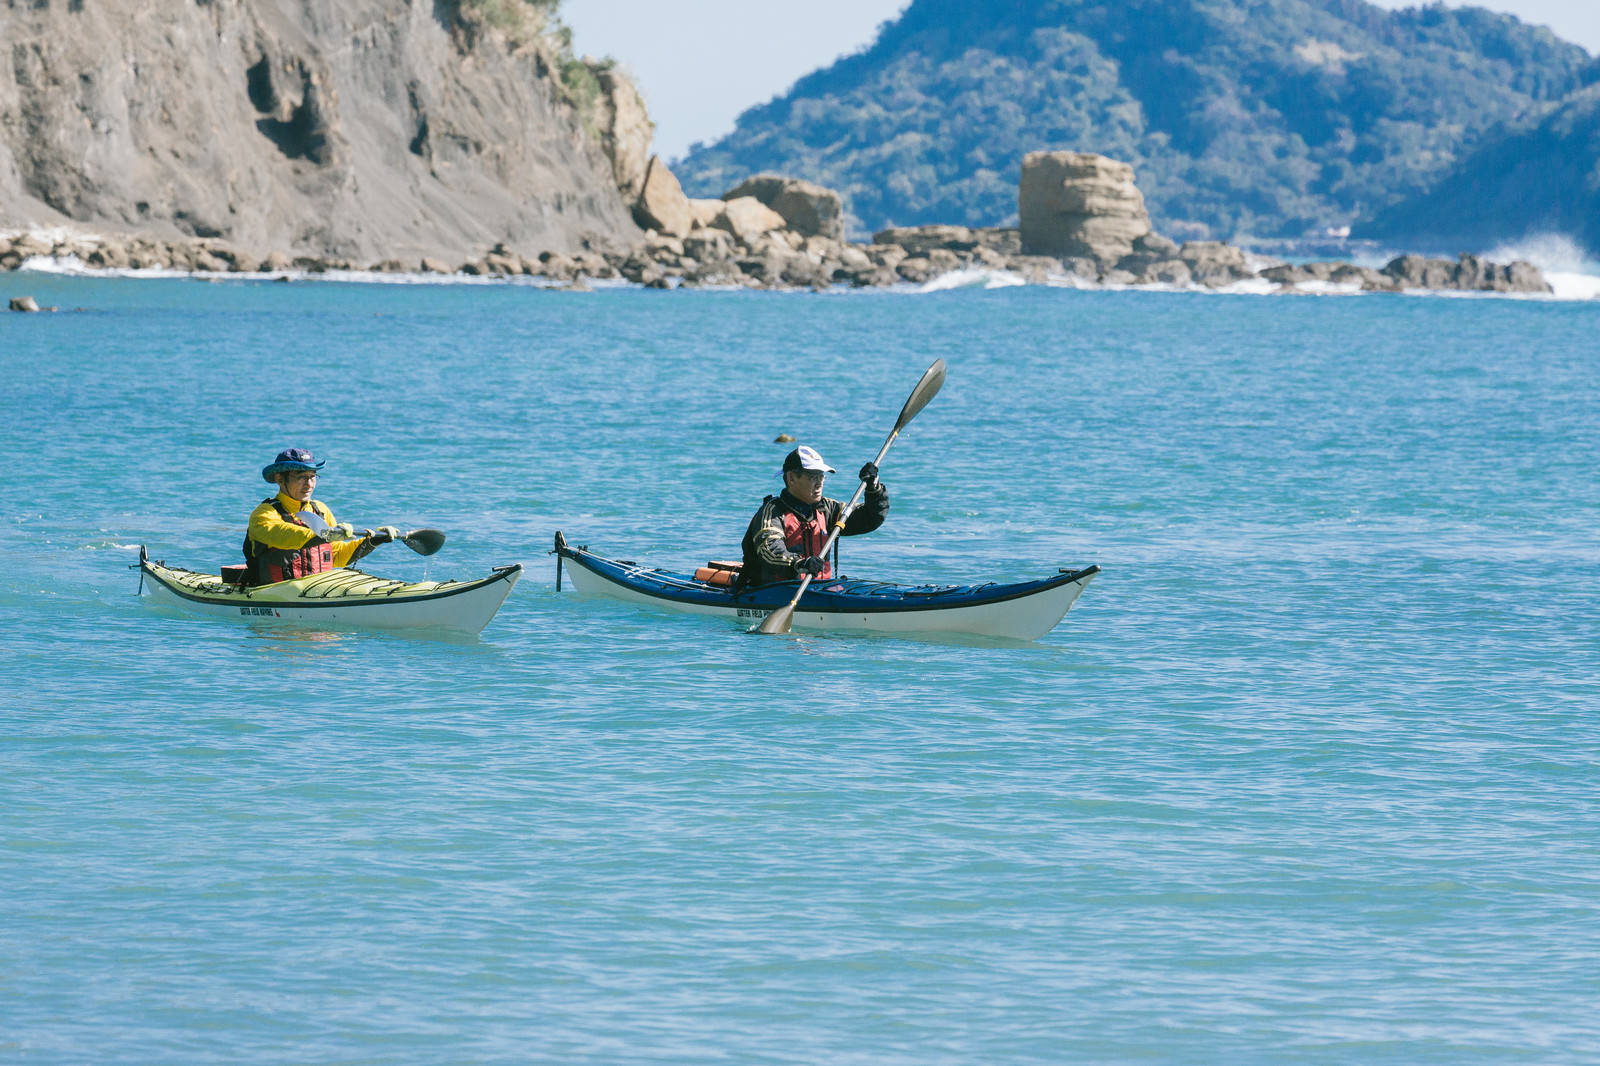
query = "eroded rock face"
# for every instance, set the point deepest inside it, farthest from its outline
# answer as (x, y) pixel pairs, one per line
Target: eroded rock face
(1079, 204)
(625, 131)
(358, 129)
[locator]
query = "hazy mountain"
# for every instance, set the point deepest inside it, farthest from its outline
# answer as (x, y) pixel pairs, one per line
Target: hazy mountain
(1265, 117)
(1539, 180)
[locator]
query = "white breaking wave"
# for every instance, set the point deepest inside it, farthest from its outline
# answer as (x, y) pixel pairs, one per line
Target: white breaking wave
(1550, 252)
(973, 279)
(1574, 286)
(1572, 271)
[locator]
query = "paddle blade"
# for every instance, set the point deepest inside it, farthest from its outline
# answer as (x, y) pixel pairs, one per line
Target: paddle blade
(778, 621)
(926, 390)
(423, 541)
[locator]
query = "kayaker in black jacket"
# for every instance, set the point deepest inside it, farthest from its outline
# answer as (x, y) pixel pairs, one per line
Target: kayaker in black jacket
(785, 537)
(291, 535)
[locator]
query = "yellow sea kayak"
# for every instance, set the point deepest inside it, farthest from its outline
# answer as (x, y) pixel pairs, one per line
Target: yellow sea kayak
(342, 599)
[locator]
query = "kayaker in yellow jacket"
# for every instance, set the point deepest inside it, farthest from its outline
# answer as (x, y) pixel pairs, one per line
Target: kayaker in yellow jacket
(292, 535)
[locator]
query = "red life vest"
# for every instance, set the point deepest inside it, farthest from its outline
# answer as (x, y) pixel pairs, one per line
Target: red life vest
(807, 536)
(264, 565)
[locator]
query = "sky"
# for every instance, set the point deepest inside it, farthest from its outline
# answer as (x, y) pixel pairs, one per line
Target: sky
(701, 64)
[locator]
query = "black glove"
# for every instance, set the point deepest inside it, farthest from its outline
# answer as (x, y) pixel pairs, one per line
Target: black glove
(869, 473)
(809, 565)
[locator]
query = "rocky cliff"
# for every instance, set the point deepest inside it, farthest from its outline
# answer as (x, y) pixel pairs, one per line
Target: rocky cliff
(354, 128)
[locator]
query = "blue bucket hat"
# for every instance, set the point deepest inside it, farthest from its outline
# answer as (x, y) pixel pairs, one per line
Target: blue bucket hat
(289, 460)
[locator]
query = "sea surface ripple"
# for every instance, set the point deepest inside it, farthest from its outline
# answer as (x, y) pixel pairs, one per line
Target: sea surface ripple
(1309, 774)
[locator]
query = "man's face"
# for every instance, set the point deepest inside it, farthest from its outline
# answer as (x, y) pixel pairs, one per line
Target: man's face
(298, 485)
(805, 485)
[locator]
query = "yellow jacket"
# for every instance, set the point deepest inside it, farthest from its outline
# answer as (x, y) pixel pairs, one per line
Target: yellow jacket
(269, 528)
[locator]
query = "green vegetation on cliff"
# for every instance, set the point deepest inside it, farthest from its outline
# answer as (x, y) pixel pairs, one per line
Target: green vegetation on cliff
(1544, 179)
(1263, 117)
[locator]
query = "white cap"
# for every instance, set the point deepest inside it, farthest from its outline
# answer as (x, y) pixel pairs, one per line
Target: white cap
(806, 458)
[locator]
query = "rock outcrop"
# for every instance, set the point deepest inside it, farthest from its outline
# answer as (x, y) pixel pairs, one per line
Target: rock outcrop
(807, 208)
(625, 131)
(359, 129)
(1079, 204)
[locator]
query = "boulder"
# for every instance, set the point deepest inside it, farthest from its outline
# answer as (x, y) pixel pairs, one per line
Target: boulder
(1080, 204)
(1038, 268)
(708, 245)
(747, 219)
(765, 269)
(705, 211)
(807, 208)
(802, 271)
(430, 265)
(1369, 279)
(664, 247)
(1214, 263)
(1154, 244)
(1152, 268)
(1479, 275)
(29, 245)
(109, 256)
(871, 276)
(661, 205)
(1296, 273)
(920, 240)
(594, 265)
(211, 262)
(24, 303)
(1003, 240)
(503, 263)
(1522, 276)
(854, 259)
(917, 269)
(558, 267)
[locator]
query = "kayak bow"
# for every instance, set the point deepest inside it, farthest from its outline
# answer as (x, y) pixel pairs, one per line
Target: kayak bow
(341, 599)
(1024, 610)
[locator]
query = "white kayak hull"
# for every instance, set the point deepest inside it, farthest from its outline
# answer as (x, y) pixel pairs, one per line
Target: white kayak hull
(337, 599)
(1021, 611)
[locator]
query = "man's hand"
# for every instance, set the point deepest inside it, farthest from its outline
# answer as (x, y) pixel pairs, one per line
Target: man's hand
(342, 531)
(809, 565)
(869, 473)
(384, 535)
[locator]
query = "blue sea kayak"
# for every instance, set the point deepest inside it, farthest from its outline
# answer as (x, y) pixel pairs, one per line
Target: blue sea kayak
(1023, 610)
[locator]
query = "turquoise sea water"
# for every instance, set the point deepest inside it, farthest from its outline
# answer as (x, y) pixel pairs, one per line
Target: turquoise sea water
(1308, 774)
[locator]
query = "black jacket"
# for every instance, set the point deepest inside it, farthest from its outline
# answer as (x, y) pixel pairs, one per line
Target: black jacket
(767, 558)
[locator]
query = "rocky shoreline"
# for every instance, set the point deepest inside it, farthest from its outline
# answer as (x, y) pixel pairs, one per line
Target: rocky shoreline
(781, 261)
(1082, 222)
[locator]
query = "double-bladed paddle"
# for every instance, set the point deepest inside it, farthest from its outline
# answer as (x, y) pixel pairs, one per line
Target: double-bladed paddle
(421, 541)
(780, 620)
